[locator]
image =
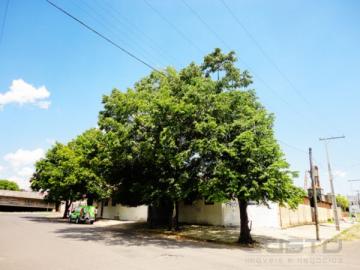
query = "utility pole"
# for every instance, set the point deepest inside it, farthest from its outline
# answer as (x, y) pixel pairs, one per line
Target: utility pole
(306, 180)
(331, 180)
(314, 195)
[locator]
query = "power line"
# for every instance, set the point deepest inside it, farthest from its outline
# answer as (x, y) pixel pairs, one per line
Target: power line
(263, 52)
(116, 31)
(269, 59)
(301, 151)
(4, 20)
(155, 45)
(103, 37)
(206, 25)
(177, 30)
(293, 147)
(256, 75)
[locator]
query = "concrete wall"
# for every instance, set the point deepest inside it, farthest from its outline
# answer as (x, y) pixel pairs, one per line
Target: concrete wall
(133, 213)
(121, 212)
(259, 215)
(227, 214)
(201, 213)
(301, 215)
(304, 214)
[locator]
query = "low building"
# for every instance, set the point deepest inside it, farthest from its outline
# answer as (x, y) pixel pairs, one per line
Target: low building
(24, 201)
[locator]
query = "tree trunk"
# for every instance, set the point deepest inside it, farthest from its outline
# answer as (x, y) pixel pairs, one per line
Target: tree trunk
(171, 216)
(245, 237)
(102, 208)
(176, 219)
(161, 215)
(67, 206)
(150, 216)
(90, 200)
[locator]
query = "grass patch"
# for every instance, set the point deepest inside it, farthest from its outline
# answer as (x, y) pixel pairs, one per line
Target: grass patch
(203, 233)
(350, 234)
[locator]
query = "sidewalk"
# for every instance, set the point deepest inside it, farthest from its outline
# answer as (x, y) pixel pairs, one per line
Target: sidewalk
(269, 237)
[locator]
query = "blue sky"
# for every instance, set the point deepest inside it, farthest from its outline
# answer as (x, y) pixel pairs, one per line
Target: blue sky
(313, 43)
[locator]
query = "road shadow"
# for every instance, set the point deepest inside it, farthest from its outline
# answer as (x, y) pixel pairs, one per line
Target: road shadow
(132, 235)
(138, 234)
(41, 219)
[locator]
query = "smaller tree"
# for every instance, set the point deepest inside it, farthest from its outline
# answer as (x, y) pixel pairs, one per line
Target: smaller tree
(74, 171)
(8, 185)
(343, 202)
(56, 175)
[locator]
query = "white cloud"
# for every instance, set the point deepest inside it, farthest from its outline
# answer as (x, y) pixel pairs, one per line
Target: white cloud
(340, 173)
(19, 166)
(21, 92)
(22, 158)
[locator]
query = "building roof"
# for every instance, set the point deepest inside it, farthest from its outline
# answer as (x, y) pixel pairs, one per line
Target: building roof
(23, 194)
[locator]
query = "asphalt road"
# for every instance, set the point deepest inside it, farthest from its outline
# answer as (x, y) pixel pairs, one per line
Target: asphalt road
(29, 241)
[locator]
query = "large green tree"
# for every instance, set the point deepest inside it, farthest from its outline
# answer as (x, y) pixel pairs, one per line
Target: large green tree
(241, 158)
(8, 185)
(149, 129)
(199, 131)
(176, 134)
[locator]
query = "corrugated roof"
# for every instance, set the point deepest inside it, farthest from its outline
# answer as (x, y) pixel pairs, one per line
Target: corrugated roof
(22, 194)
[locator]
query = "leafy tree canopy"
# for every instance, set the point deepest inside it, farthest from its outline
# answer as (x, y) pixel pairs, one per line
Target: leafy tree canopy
(197, 132)
(343, 202)
(71, 172)
(8, 185)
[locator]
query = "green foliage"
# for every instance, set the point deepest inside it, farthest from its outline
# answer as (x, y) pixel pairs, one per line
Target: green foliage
(8, 185)
(68, 172)
(178, 135)
(56, 174)
(342, 202)
(184, 134)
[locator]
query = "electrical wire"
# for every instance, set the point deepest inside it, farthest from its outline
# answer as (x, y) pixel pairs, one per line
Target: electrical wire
(173, 26)
(117, 31)
(2, 28)
(104, 37)
(151, 42)
(270, 60)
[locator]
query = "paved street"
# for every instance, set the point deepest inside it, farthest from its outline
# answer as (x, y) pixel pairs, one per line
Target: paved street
(31, 241)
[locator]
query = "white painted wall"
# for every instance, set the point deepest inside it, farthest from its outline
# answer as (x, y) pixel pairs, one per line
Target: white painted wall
(121, 212)
(259, 215)
(200, 213)
(227, 214)
(132, 213)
